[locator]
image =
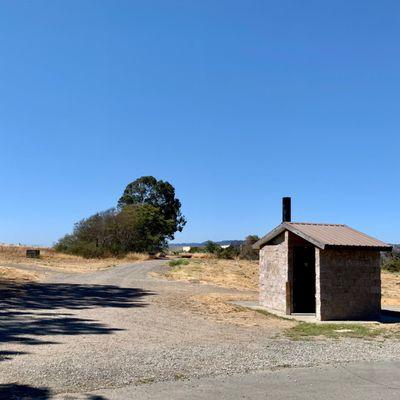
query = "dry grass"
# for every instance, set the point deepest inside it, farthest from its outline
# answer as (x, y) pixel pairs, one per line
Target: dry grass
(241, 274)
(8, 274)
(390, 289)
(202, 255)
(227, 273)
(15, 255)
(219, 307)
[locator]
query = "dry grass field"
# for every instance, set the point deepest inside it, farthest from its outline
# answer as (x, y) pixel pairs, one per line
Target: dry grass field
(12, 274)
(16, 255)
(391, 289)
(227, 273)
(243, 275)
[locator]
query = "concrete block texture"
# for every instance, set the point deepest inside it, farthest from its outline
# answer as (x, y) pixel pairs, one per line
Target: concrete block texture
(348, 284)
(274, 273)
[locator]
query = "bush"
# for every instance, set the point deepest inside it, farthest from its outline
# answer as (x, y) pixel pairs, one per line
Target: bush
(135, 228)
(196, 249)
(391, 264)
(229, 253)
(181, 261)
(211, 247)
(246, 250)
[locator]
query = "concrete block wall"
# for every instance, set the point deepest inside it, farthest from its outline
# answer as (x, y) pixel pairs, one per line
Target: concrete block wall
(348, 284)
(274, 273)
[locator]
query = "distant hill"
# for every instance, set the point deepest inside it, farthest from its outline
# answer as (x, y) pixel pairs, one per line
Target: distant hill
(202, 244)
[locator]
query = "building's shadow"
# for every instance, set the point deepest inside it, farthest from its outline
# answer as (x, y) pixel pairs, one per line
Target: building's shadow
(31, 312)
(389, 316)
(24, 392)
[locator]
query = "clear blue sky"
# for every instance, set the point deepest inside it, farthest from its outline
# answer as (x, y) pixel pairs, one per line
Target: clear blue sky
(236, 103)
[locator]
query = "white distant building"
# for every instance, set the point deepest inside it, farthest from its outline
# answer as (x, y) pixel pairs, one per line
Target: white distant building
(225, 246)
(186, 249)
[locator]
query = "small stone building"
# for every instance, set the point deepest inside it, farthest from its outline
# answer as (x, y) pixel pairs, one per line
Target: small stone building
(332, 271)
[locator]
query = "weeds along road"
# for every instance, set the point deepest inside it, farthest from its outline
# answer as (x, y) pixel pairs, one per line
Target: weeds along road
(121, 328)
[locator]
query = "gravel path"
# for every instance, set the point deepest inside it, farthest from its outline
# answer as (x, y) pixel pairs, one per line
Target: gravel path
(112, 328)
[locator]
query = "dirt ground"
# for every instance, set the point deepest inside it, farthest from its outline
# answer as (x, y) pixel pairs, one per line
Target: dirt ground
(240, 278)
(16, 255)
(390, 289)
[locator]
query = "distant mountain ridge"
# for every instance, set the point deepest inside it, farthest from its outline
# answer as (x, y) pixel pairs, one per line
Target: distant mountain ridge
(202, 244)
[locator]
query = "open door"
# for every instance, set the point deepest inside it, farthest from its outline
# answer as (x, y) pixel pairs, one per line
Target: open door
(304, 279)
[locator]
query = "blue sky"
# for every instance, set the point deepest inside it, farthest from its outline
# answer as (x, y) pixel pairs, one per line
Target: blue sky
(236, 103)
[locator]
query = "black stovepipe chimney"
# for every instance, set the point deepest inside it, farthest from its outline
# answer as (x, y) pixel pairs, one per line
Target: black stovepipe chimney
(286, 209)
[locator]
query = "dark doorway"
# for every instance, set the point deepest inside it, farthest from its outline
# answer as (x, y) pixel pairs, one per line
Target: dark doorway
(304, 280)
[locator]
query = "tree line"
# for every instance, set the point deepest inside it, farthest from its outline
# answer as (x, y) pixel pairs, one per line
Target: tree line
(243, 251)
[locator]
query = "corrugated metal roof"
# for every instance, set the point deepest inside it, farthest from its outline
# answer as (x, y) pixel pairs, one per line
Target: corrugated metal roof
(322, 235)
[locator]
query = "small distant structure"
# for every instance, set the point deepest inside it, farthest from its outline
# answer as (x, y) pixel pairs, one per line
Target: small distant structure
(329, 270)
(32, 253)
(186, 249)
(225, 246)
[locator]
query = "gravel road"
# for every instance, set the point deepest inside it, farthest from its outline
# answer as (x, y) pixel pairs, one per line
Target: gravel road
(74, 333)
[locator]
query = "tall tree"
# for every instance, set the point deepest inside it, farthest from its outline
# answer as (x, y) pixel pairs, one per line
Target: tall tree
(159, 194)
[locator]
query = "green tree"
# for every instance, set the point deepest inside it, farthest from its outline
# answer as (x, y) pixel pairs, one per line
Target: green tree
(91, 237)
(141, 228)
(157, 193)
(229, 253)
(116, 232)
(211, 247)
(147, 215)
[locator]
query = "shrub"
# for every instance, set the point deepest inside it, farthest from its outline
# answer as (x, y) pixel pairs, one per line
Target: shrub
(181, 261)
(229, 253)
(391, 264)
(196, 249)
(135, 228)
(211, 247)
(246, 250)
